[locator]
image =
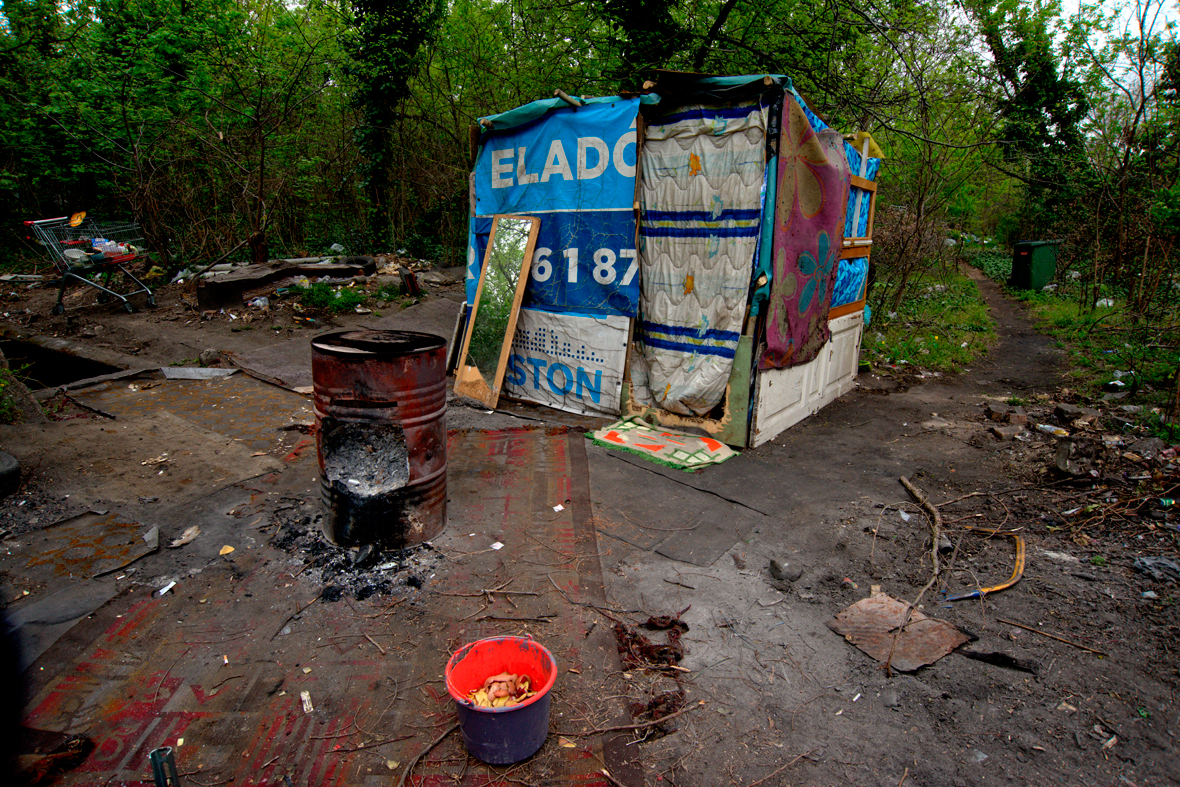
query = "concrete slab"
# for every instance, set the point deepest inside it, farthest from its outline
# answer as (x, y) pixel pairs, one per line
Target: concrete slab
(670, 516)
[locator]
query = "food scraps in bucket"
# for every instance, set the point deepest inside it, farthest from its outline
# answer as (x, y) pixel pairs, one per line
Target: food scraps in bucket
(501, 691)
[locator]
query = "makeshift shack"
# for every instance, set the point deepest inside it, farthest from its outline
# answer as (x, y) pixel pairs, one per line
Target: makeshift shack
(701, 254)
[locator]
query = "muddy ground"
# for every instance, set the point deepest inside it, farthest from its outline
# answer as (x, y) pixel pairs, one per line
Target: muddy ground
(1084, 691)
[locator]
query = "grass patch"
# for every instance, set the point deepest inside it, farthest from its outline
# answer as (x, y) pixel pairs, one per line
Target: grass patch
(323, 297)
(941, 324)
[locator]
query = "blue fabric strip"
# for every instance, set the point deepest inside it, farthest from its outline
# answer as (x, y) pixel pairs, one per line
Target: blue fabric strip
(706, 113)
(751, 231)
(736, 214)
(691, 349)
(680, 330)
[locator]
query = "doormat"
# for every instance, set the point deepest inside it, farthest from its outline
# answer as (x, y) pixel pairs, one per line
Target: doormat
(674, 449)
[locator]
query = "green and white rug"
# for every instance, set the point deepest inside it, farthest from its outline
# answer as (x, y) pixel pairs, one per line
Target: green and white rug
(674, 449)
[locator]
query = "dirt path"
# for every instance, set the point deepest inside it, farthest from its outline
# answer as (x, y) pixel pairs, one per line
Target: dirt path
(784, 691)
(786, 700)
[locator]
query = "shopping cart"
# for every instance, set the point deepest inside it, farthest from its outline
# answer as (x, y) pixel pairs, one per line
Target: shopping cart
(83, 248)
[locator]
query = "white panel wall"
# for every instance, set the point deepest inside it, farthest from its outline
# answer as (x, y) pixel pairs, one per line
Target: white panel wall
(784, 397)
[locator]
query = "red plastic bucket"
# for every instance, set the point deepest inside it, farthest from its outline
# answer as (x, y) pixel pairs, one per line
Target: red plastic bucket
(502, 736)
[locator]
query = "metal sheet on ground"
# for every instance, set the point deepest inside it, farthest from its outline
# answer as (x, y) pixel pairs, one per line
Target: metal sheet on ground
(223, 661)
(873, 624)
(253, 413)
(157, 455)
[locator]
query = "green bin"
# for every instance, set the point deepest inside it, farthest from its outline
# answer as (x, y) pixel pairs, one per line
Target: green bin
(1034, 264)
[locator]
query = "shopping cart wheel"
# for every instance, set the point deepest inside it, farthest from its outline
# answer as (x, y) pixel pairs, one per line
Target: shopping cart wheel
(58, 309)
(151, 301)
(127, 305)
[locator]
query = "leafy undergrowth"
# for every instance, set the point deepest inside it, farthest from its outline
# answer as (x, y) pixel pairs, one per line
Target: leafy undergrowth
(996, 264)
(941, 324)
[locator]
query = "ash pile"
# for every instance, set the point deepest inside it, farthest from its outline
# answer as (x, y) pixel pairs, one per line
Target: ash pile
(359, 572)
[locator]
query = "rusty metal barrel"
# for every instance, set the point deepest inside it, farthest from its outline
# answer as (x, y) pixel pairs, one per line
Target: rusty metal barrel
(381, 435)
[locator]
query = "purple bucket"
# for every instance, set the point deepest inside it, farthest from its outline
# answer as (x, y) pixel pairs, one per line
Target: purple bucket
(502, 736)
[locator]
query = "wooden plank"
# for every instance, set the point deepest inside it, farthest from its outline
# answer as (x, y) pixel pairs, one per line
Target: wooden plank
(864, 183)
(848, 308)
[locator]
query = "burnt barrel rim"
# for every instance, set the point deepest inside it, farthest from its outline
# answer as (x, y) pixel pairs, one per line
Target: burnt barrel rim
(350, 342)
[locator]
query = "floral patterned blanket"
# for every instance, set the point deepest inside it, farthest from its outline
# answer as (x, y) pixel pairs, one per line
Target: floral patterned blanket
(812, 197)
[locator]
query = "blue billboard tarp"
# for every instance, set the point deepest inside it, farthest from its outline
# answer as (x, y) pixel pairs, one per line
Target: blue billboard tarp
(574, 169)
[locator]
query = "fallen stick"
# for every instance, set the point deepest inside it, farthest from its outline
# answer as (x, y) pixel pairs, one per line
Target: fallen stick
(610, 778)
(378, 647)
(935, 519)
(410, 765)
(642, 726)
(779, 770)
(291, 617)
(1052, 636)
(935, 532)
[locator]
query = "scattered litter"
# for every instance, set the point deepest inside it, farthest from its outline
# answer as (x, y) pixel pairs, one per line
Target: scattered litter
(186, 537)
(497, 545)
(306, 697)
(225, 659)
(306, 670)
(1060, 557)
(1150, 594)
(1053, 430)
(392, 764)
(904, 516)
(1160, 569)
(166, 588)
(559, 507)
(857, 697)
(872, 625)
(225, 550)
